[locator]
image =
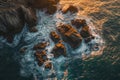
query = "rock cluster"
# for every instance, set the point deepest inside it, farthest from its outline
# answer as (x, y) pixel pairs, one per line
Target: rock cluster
(48, 5)
(14, 14)
(41, 57)
(85, 31)
(70, 35)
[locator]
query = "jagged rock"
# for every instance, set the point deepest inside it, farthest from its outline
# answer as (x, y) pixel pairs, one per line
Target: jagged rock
(48, 65)
(22, 50)
(86, 34)
(41, 45)
(85, 31)
(69, 8)
(49, 5)
(13, 18)
(54, 36)
(41, 57)
(59, 50)
(70, 35)
(78, 23)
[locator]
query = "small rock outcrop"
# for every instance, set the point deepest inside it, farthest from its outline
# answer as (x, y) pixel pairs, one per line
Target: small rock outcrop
(41, 57)
(41, 45)
(78, 23)
(85, 31)
(48, 65)
(54, 36)
(13, 17)
(59, 50)
(70, 35)
(69, 8)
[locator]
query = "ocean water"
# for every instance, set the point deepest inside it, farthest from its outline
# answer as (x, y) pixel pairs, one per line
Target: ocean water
(103, 18)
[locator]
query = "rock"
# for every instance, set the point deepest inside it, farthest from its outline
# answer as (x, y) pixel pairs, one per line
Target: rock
(48, 5)
(41, 57)
(54, 36)
(13, 17)
(89, 39)
(48, 65)
(22, 50)
(59, 50)
(41, 45)
(86, 34)
(78, 23)
(85, 31)
(69, 8)
(70, 35)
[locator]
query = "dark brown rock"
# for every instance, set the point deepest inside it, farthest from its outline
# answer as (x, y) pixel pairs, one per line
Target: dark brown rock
(40, 46)
(48, 65)
(69, 8)
(13, 17)
(70, 35)
(49, 5)
(41, 57)
(59, 50)
(54, 36)
(85, 32)
(78, 23)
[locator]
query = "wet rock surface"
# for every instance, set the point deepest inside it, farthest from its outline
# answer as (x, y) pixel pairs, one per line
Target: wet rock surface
(70, 35)
(40, 46)
(48, 65)
(85, 30)
(59, 50)
(78, 23)
(41, 57)
(69, 8)
(54, 36)
(14, 14)
(13, 17)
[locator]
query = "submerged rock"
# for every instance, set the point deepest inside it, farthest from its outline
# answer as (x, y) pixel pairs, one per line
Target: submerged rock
(22, 50)
(70, 35)
(54, 36)
(41, 45)
(69, 8)
(41, 57)
(59, 50)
